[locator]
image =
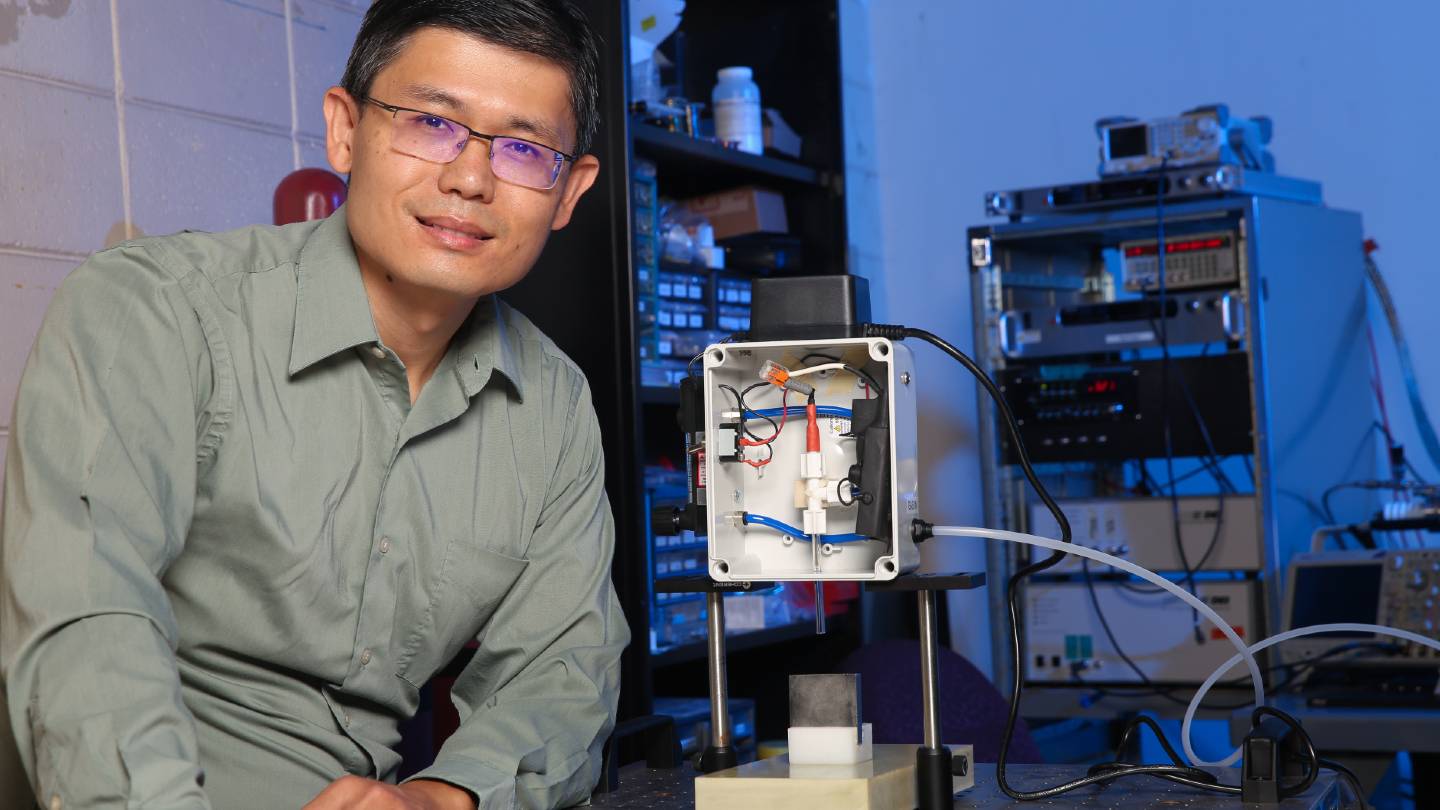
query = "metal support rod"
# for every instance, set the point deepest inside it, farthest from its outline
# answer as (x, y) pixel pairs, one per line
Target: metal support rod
(929, 670)
(719, 697)
(819, 607)
(819, 586)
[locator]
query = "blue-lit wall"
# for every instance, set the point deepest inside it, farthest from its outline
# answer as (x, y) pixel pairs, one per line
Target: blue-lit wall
(948, 99)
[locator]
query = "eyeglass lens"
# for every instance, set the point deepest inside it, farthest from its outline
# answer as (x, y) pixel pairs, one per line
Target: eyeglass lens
(430, 137)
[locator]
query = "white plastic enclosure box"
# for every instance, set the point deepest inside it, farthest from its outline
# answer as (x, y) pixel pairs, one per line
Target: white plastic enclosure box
(740, 552)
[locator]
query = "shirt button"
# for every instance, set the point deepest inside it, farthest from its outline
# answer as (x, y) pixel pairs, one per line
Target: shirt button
(346, 716)
(365, 656)
(384, 545)
(378, 352)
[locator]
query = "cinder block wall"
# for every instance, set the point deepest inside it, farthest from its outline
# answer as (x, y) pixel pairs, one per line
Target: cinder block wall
(127, 117)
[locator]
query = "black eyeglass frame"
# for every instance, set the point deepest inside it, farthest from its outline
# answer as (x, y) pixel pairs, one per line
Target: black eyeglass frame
(393, 109)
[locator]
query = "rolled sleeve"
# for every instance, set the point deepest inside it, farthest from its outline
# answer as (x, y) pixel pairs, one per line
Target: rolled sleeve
(538, 699)
(99, 492)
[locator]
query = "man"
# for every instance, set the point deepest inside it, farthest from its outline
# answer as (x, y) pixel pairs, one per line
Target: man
(264, 484)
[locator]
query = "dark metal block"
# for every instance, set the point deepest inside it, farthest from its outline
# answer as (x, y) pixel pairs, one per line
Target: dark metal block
(825, 700)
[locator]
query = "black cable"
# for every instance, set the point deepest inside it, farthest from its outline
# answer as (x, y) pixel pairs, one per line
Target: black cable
(1220, 478)
(1154, 688)
(1349, 776)
(1164, 335)
(1112, 771)
(1194, 777)
(1105, 624)
(1314, 771)
(856, 370)
(1012, 589)
(690, 366)
(740, 404)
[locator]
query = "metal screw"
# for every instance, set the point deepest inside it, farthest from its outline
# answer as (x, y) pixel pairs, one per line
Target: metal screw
(737, 496)
(905, 378)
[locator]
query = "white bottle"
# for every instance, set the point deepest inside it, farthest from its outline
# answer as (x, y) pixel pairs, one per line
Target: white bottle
(737, 110)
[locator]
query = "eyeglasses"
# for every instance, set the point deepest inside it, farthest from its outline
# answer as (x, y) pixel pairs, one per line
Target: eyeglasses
(439, 140)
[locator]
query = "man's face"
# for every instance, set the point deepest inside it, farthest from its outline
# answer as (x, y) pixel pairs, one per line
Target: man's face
(454, 228)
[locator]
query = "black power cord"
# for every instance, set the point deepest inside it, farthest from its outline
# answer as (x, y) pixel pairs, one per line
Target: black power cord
(1180, 773)
(1109, 772)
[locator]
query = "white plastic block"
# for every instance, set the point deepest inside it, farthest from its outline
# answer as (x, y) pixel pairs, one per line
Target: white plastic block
(830, 745)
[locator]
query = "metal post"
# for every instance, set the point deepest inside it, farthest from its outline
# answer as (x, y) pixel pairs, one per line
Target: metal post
(933, 780)
(819, 607)
(719, 691)
(929, 675)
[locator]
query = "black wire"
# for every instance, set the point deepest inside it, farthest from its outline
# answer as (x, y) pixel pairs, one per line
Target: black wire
(1186, 476)
(1195, 776)
(1164, 335)
(1349, 776)
(740, 404)
(1112, 771)
(690, 366)
(1105, 624)
(865, 375)
(1012, 591)
(1314, 771)
(1154, 689)
(856, 370)
(1315, 510)
(1220, 478)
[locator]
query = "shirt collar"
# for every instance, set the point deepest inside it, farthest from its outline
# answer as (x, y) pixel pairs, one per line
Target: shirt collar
(485, 345)
(332, 314)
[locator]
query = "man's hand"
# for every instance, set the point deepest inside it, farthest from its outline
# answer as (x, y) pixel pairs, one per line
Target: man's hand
(359, 793)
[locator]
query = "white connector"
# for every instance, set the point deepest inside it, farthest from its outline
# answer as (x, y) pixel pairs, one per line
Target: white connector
(812, 465)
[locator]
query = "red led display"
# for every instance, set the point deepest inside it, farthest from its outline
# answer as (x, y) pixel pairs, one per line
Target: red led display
(1183, 246)
(1102, 387)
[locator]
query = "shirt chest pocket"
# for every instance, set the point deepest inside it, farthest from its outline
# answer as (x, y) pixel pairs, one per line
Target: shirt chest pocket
(472, 584)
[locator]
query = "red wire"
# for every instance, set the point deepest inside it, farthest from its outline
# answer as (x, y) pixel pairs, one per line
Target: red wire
(812, 430)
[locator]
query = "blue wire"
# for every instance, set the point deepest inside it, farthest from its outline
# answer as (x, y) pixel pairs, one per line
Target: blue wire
(786, 528)
(799, 411)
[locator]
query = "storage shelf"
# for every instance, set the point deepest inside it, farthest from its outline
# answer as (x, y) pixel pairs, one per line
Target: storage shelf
(712, 165)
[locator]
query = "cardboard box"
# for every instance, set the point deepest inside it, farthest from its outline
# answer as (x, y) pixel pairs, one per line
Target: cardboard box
(741, 211)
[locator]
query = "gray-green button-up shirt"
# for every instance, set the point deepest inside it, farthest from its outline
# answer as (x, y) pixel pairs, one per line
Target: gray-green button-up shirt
(232, 547)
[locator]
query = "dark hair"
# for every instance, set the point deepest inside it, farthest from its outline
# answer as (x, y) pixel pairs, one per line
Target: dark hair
(552, 29)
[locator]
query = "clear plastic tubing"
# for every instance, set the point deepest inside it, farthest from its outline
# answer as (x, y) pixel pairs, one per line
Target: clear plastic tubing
(1270, 642)
(1147, 575)
(1247, 654)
